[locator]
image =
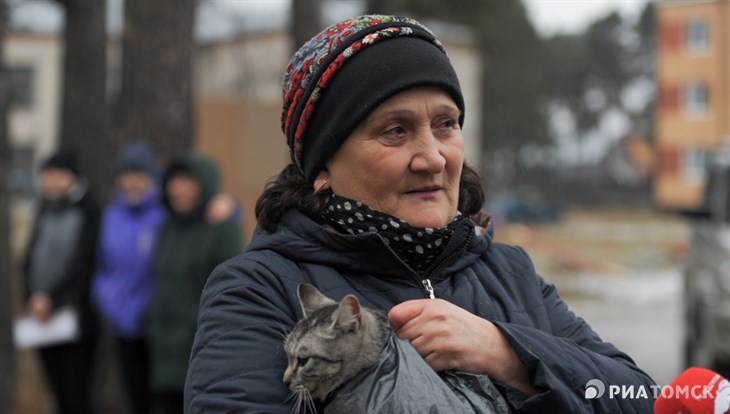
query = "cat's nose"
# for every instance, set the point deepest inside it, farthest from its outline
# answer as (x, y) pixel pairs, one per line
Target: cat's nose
(287, 377)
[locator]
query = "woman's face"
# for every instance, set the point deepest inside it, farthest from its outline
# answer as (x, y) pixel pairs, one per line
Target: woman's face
(405, 159)
(134, 186)
(56, 182)
(183, 192)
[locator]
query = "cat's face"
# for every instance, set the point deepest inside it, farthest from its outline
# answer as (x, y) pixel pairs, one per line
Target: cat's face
(321, 346)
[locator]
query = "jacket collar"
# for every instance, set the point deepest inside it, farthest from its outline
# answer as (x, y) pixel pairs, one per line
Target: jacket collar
(301, 239)
(149, 201)
(73, 197)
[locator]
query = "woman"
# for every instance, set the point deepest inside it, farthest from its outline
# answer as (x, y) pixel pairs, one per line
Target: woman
(123, 283)
(378, 203)
(189, 247)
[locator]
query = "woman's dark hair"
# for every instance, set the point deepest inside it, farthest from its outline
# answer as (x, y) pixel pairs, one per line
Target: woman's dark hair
(291, 190)
(471, 193)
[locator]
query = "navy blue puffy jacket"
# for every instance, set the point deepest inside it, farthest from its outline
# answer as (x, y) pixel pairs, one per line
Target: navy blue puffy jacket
(250, 303)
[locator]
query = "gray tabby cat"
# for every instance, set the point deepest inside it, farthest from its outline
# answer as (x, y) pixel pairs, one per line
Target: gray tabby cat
(351, 349)
(331, 344)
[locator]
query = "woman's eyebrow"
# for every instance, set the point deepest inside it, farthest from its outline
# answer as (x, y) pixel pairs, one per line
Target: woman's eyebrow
(405, 112)
(391, 114)
(448, 108)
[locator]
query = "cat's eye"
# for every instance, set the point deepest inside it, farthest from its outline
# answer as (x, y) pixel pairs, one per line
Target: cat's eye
(302, 361)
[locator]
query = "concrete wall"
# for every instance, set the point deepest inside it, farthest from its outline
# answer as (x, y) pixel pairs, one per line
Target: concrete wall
(37, 125)
(246, 140)
(247, 67)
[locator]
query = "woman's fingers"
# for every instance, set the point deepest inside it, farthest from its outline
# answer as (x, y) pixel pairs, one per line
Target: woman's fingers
(405, 312)
(447, 336)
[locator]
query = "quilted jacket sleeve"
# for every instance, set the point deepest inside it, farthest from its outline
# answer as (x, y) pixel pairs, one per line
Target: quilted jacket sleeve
(238, 356)
(561, 362)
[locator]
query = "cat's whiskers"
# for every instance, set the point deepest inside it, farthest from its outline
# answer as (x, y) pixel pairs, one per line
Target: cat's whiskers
(310, 403)
(304, 403)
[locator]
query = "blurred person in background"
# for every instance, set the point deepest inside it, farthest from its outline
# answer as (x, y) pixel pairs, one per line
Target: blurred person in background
(58, 268)
(189, 247)
(123, 285)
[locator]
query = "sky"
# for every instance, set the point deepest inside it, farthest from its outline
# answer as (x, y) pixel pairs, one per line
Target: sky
(554, 16)
(548, 16)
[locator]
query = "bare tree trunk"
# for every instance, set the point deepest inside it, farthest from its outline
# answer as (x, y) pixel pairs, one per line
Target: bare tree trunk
(156, 98)
(7, 352)
(84, 111)
(306, 20)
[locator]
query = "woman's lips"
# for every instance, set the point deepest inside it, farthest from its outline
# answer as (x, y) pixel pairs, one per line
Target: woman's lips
(426, 193)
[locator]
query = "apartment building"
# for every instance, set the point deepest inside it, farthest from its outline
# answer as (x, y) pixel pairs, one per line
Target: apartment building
(693, 107)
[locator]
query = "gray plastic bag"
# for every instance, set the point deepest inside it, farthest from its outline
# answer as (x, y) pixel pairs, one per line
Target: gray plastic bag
(401, 382)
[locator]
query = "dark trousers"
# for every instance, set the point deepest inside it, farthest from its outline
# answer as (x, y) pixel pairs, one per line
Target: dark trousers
(169, 402)
(135, 361)
(69, 370)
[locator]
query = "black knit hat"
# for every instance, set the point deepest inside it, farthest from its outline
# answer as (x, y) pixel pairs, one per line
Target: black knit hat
(342, 74)
(63, 160)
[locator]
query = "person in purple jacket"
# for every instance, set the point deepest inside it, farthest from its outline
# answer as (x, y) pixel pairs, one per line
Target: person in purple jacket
(123, 284)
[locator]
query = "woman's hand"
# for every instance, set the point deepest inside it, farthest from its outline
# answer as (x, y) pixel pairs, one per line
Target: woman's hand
(220, 208)
(450, 338)
(41, 307)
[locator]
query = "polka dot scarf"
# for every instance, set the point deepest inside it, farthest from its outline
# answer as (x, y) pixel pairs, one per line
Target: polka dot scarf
(416, 246)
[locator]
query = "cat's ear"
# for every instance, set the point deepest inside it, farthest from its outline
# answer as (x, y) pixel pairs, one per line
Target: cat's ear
(311, 299)
(349, 315)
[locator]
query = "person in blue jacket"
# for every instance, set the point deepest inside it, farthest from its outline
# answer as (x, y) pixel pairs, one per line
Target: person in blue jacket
(379, 203)
(123, 283)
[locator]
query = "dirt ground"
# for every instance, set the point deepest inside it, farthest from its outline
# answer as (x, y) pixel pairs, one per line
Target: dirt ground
(32, 396)
(606, 243)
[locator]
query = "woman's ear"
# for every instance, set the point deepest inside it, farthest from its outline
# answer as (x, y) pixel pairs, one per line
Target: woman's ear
(322, 182)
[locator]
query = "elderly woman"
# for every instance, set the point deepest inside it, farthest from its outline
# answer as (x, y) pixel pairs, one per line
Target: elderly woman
(379, 203)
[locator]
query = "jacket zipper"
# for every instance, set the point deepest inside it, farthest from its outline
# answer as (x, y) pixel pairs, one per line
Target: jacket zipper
(429, 288)
(427, 281)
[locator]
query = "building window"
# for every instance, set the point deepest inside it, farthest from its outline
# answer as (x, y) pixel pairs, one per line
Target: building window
(669, 162)
(20, 177)
(668, 97)
(696, 98)
(670, 36)
(697, 36)
(21, 88)
(695, 164)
